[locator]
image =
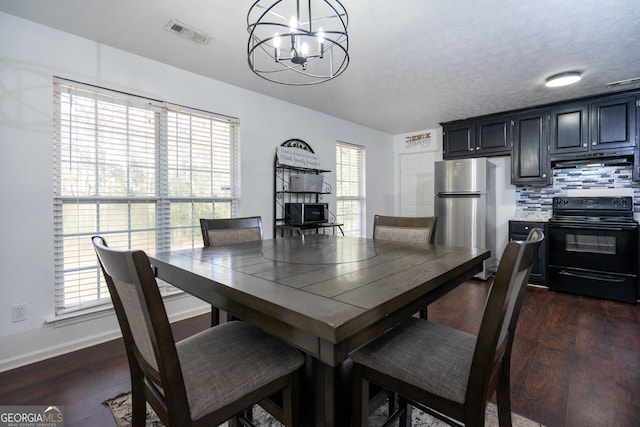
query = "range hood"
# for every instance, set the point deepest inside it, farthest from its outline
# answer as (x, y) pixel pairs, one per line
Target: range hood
(592, 161)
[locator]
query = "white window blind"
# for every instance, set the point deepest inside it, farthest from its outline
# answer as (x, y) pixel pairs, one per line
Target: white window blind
(350, 188)
(139, 172)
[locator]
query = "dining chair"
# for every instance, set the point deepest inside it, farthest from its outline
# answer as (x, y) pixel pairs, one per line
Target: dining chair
(227, 231)
(420, 230)
(444, 371)
(203, 380)
(406, 229)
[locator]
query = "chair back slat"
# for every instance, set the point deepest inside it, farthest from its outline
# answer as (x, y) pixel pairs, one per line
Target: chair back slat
(226, 231)
(405, 229)
(230, 236)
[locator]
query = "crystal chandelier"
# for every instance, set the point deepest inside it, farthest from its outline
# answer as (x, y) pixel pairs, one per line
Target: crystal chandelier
(298, 43)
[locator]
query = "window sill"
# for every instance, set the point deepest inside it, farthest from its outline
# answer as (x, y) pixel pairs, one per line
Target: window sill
(103, 310)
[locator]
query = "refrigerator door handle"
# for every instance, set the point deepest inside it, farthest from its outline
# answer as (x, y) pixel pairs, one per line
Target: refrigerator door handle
(451, 195)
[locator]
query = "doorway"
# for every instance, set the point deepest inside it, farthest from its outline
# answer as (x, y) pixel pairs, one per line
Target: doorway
(416, 184)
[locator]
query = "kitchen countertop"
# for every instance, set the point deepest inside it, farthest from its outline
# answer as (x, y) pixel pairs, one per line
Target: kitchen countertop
(533, 216)
(537, 216)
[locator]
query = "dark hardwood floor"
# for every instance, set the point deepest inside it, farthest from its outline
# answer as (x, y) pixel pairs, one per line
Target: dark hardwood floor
(576, 362)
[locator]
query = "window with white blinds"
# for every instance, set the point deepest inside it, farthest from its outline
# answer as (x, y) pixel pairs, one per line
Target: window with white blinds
(350, 188)
(140, 173)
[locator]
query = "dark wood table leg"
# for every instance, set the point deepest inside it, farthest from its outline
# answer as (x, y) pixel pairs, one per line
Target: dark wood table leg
(324, 380)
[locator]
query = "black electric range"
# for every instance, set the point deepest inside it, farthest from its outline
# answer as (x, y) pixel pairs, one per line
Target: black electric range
(594, 247)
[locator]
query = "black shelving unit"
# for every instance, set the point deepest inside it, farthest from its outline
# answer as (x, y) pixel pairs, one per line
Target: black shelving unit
(283, 194)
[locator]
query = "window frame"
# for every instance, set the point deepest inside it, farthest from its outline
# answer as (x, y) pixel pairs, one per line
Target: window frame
(357, 189)
(159, 198)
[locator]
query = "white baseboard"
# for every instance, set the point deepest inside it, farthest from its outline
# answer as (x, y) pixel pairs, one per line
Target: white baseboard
(53, 350)
(57, 350)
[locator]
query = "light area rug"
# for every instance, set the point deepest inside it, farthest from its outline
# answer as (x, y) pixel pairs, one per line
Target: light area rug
(121, 408)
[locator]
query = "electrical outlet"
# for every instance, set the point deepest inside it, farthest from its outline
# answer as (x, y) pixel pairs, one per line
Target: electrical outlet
(19, 312)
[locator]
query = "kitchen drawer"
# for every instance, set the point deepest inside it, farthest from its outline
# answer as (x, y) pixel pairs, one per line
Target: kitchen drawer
(524, 227)
(617, 287)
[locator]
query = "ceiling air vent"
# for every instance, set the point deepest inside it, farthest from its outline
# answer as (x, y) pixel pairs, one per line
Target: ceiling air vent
(634, 81)
(187, 32)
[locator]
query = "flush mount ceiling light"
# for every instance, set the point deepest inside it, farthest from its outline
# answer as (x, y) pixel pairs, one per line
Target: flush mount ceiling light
(298, 43)
(563, 79)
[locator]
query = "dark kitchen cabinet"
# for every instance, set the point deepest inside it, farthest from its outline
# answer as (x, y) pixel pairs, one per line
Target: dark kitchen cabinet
(605, 125)
(459, 140)
(613, 123)
(493, 136)
(530, 153)
(569, 129)
(519, 230)
(482, 137)
(594, 127)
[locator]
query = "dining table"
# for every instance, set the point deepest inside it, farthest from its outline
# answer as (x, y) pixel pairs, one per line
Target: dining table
(326, 295)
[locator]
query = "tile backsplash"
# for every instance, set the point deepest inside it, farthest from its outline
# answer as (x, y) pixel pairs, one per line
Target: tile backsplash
(595, 179)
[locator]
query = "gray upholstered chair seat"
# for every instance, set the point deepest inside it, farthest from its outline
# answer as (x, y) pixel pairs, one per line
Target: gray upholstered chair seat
(245, 349)
(430, 356)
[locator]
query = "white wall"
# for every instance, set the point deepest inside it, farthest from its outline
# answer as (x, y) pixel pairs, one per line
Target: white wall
(505, 201)
(28, 64)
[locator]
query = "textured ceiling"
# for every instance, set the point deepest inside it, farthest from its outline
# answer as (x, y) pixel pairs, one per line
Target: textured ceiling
(414, 63)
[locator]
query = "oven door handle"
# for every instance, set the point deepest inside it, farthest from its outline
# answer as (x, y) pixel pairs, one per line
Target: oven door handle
(594, 227)
(593, 276)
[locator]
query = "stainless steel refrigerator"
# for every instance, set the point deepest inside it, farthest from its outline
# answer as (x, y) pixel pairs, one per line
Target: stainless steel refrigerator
(465, 206)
